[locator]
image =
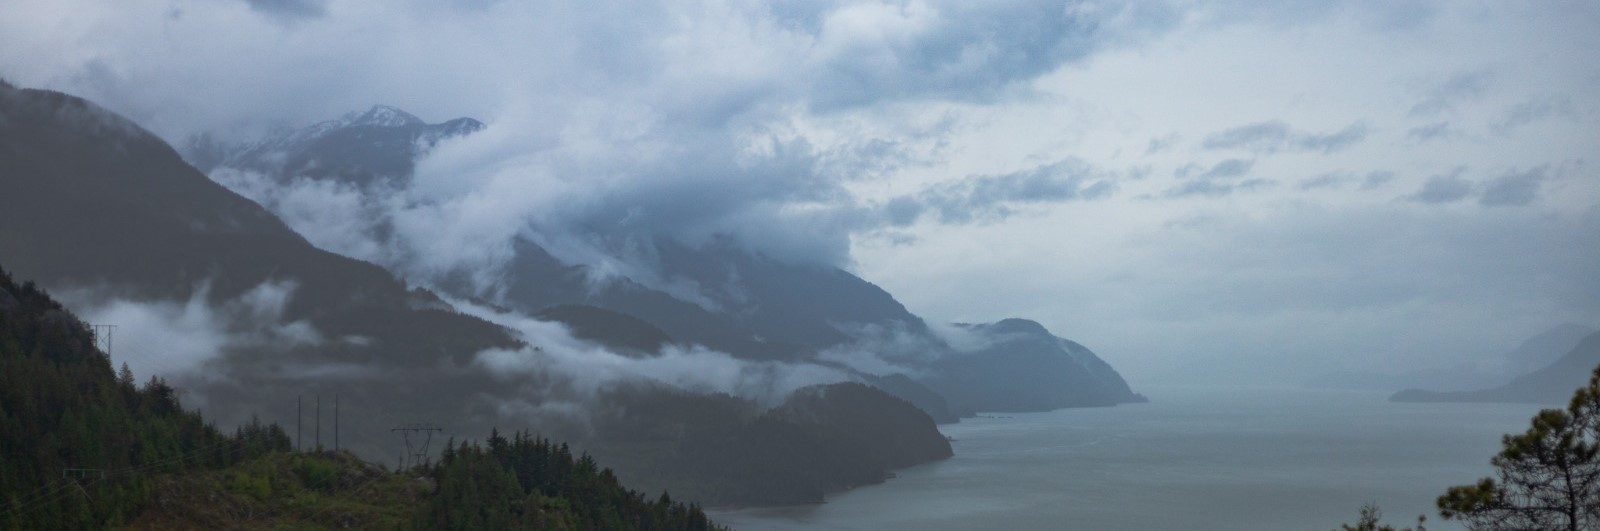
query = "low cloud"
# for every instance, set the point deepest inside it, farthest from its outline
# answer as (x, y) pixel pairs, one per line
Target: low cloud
(1214, 188)
(290, 10)
(995, 197)
(1223, 170)
(1441, 189)
(1326, 180)
(1532, 111)
(176, 339)
(883, 350)
(1275, 136)
(588, 369)
(335, 216)
(1430, 132)
(1377, 179)
(635, 122)
(1444, 96)
(1514, 189)
(1218, 180)
(1340, 179)
(1162, 144)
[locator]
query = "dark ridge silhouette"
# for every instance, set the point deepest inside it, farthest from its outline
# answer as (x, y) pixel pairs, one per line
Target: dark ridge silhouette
(731, 452)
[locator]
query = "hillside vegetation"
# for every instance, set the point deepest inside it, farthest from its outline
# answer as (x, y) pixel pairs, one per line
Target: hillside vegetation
(83, 447)
(79, 443)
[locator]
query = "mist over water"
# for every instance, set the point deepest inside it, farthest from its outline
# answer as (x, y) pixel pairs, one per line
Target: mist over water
(1224, 459)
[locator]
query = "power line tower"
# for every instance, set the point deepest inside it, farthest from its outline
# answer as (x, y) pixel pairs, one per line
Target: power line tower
(102, 337)
(417, 455)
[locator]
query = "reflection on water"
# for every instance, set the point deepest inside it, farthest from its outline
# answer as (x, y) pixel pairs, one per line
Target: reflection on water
(1223, 459)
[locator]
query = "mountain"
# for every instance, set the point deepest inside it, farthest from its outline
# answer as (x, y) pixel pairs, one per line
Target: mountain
(536, 280)
(813, 307)
(1551, 384)
(1023, 367)
(360, 148)
(1534, 353)
(726, 452)
(1547, 347)
(721, 295)
(617, 331)
(919, 395)
(94, 204)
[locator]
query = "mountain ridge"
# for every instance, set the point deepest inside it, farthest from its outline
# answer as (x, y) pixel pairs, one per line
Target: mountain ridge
(1546, 385)
(752, 307)
(94, 201)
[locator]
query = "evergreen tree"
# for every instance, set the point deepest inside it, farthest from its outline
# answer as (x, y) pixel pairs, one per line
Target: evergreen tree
(62, 406)
(1547, 478)
(527, 482)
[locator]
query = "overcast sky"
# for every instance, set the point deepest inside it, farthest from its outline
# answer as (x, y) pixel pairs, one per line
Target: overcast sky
(1222, 191)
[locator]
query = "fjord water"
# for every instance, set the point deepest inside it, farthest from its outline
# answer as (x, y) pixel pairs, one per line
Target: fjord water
(1193, 458)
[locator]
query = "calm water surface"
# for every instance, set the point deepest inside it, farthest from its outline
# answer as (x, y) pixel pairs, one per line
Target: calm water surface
(1233, 460)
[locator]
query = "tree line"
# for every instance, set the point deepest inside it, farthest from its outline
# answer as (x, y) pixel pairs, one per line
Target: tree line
(528, 482)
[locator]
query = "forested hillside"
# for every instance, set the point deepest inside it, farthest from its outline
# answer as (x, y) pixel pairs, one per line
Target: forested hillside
(83, 447)
(80, 443)
(527, 482)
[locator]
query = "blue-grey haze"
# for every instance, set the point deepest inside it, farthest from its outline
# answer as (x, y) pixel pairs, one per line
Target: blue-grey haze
(1194, 458)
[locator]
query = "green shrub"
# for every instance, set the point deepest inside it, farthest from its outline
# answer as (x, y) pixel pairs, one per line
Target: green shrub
(250, 485)
(317, 474)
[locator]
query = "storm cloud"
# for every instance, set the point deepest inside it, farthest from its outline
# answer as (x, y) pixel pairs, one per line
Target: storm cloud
(978, 160)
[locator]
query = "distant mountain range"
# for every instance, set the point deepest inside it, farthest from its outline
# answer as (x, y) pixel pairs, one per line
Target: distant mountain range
(1550, 384)
(747, 305)
(1534, 353)
(95, 205)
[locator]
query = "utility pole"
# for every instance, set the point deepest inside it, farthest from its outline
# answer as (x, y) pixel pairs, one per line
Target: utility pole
(336, 423)
(319, 422)
(297, 423)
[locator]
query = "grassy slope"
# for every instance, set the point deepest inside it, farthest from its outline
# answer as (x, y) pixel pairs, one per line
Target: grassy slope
(286, 491)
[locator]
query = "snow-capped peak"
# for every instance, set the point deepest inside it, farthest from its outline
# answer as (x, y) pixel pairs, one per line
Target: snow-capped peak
(384, 116)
